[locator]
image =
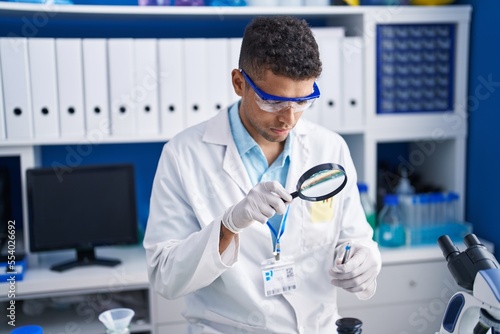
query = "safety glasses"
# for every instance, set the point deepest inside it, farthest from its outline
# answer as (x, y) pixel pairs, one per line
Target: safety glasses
(273, 103)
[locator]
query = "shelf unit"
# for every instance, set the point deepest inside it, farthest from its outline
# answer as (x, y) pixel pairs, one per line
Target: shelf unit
(79, 294)
(431, 127)
(436, 140)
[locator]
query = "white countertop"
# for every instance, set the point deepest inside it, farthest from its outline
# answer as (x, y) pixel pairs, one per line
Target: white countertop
(39, 281)
(422, 253)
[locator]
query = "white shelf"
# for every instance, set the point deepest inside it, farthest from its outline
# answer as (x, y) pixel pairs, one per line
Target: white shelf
(40, 281)
(108, 139)
(218, 11)
(390, 127)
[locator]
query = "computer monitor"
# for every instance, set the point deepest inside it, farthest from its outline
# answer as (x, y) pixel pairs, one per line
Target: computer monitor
(5, 214)
(81, 208)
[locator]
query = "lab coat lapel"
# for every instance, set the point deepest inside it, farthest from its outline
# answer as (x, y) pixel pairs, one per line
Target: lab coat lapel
(234, 167)
(218, 132)
(299, 157)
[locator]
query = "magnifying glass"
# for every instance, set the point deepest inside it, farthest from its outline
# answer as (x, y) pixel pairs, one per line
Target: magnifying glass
(316, 184)
(321, 182)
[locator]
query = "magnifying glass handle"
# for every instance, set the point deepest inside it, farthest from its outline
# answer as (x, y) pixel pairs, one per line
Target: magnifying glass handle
(295, 194)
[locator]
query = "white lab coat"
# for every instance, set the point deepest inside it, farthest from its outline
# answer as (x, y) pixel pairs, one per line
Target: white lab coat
(200, 175)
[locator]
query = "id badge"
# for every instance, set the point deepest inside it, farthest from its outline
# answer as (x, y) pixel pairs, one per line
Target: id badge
(278, 276)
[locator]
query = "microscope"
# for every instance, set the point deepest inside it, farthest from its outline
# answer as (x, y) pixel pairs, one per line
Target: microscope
(477, 309)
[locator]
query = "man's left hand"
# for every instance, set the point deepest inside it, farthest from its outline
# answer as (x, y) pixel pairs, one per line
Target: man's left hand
(359, 273)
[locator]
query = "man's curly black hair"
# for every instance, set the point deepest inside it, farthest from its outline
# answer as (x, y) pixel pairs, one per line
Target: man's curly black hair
(283, 44)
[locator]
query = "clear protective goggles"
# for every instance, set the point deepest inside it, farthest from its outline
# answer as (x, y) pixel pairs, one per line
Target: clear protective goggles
(273, 103)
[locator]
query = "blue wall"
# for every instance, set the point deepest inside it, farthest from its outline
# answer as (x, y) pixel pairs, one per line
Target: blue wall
(483, 156)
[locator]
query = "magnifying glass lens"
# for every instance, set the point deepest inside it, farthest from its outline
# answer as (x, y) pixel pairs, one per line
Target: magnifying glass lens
(321, 182)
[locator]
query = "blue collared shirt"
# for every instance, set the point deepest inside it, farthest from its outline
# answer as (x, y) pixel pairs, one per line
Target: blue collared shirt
(255, 161)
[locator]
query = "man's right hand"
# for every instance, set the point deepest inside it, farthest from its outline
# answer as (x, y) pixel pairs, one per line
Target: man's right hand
(261, 203)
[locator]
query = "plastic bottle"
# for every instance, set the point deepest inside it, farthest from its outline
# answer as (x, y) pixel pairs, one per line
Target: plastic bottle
(291, 3)
(404, 186)
(349, 326)
(317, 2)
(368, 205)
(237, 3)
(262, 3)
(433, 209)
(425, 211)
(452, 214)
(391, 232)
(441, 208)
(405, 192)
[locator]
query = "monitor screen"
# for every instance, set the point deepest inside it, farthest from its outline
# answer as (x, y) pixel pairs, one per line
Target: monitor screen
(5, 214)
(81, 208)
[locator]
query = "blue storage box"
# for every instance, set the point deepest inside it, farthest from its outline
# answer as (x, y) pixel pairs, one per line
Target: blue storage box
(428, 235)
(18, 274)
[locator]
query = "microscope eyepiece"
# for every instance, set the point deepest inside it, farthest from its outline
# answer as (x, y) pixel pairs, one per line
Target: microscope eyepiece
(447, 247)
(465, 265)
(471, 240)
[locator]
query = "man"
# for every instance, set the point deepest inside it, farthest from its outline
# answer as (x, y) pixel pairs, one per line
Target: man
(218, 184)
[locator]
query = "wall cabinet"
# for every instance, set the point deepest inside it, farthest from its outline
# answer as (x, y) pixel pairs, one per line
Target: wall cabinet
(435, 137)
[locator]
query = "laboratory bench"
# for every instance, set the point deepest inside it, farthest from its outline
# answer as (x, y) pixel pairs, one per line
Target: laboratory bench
(413, 289)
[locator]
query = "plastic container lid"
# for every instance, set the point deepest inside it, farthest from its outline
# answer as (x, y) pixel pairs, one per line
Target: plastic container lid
(424, 198)
(436, 198)
(362, 187)
(32, 329)
(391, 199)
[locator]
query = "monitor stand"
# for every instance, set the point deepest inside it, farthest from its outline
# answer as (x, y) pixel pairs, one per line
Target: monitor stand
(85, 257)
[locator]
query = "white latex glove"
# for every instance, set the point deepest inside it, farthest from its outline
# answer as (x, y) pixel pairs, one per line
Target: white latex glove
(261, 203)
(359, 273)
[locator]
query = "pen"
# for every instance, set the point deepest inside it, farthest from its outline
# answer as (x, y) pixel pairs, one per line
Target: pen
(346, 254)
